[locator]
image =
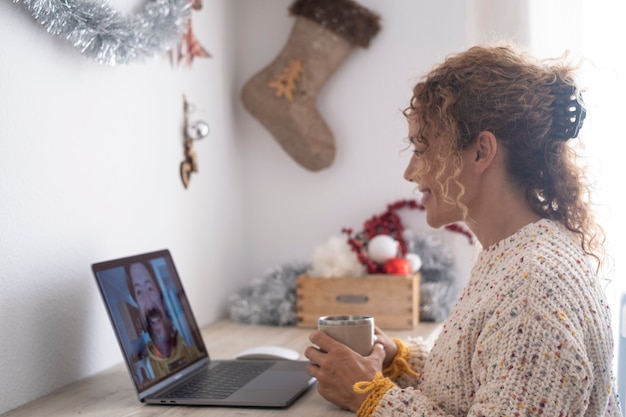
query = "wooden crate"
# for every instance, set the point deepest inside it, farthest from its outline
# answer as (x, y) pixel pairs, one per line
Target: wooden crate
(393, 300)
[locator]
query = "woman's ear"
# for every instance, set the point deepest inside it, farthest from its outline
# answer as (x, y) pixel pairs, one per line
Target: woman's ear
(484, 151)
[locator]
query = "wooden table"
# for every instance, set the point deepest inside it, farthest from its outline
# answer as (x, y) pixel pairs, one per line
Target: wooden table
(111, 394)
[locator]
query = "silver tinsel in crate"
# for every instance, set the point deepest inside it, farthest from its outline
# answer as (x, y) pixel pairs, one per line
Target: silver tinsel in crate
(439, 287)
(102, 33)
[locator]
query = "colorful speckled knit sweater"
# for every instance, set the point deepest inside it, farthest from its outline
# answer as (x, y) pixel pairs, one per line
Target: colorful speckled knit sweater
(530, 336)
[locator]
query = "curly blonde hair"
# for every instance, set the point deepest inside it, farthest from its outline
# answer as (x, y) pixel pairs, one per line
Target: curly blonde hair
(532, 106)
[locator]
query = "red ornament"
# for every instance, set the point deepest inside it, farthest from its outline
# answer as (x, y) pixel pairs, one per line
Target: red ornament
(397, 266)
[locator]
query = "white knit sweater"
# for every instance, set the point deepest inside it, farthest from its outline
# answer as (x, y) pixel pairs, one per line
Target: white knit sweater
(530, 336)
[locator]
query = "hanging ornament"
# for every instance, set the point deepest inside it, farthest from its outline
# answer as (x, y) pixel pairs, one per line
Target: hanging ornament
(100, 32)
(189, 47)
(192, 131)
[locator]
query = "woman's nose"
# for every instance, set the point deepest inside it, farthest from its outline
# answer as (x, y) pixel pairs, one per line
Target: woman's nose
(409, 172)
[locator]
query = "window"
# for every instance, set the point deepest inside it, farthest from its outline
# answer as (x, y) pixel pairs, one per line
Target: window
(596, 31)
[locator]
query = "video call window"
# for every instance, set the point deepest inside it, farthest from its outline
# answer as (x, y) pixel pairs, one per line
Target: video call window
(150, 311)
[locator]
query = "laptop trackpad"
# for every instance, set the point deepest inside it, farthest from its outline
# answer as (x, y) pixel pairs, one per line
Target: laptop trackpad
(277, 380)
(275, 387)
(282, 375)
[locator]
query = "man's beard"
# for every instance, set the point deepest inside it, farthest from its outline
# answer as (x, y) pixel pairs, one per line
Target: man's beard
(153, 316)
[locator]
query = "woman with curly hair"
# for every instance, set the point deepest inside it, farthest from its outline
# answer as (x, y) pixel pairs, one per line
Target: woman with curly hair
(492, 132)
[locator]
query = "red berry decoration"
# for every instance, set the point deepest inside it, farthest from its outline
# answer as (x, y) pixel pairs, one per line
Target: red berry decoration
(389, 223)
(397, 266)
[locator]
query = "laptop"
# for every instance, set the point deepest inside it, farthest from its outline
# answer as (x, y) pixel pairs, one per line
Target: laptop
(163, 348)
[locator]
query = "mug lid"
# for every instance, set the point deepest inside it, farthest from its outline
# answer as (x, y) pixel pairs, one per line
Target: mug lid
(346, 320)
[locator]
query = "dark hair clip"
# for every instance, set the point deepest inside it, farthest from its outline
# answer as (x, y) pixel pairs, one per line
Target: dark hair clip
(568, 114)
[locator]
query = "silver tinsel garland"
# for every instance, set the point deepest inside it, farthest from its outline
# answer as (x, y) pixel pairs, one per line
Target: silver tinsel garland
(102, 33)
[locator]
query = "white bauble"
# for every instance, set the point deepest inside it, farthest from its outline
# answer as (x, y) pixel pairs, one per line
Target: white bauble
(381, 248)
(415, 261)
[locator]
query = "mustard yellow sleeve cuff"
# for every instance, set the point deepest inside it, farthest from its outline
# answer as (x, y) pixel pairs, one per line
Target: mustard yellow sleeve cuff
(400, 363)
(376, 389)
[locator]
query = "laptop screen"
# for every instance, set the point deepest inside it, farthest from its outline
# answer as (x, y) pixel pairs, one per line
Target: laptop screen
(151, 316)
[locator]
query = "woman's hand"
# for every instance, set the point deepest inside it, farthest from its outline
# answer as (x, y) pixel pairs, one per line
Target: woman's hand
(337, 368)
(391, 349)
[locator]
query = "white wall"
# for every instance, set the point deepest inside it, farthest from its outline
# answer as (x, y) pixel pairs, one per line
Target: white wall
(89, 159)
(89, 170)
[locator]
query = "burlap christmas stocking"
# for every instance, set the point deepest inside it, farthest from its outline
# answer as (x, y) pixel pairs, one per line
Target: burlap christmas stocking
(283, 95)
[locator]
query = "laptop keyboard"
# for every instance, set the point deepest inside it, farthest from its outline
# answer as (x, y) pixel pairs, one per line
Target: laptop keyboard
(220, 381)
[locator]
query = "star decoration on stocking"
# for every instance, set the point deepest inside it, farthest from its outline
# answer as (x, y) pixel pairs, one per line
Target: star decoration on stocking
(285, 83)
